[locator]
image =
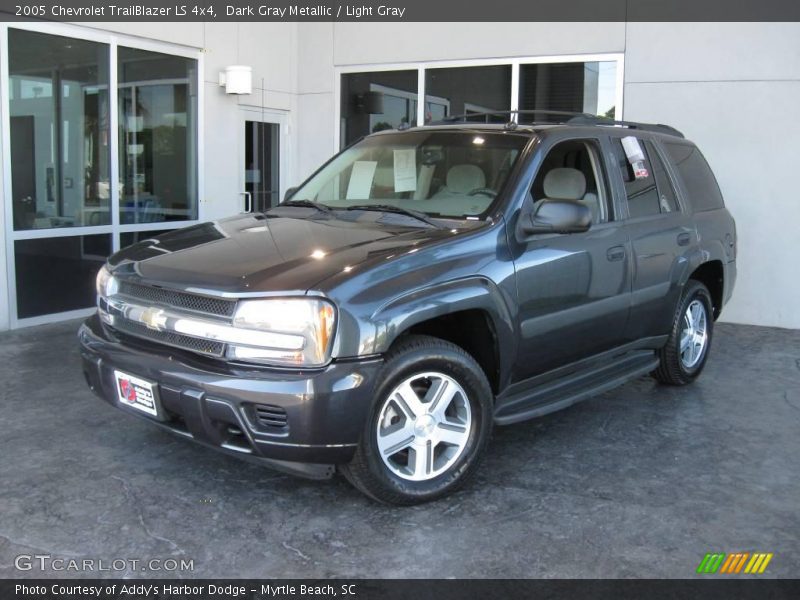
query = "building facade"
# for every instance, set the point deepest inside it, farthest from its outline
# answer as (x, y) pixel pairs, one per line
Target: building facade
(114, 132)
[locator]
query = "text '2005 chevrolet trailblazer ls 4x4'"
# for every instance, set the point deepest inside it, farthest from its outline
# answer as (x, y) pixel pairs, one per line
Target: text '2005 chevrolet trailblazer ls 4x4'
(419, 288)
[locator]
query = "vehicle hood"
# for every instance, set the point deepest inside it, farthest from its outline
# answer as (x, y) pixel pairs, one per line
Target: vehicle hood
(270, 252)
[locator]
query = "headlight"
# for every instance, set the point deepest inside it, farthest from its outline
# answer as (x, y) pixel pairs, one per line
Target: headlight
(303, 329)
(106, 284)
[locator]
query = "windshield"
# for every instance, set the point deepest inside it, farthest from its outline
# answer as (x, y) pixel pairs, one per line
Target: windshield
(443, 174)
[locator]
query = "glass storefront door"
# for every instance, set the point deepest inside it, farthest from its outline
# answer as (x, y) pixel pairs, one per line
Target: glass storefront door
(262, 159)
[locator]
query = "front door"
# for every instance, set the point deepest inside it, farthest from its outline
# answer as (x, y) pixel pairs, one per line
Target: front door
(573, 289)
(262, 159)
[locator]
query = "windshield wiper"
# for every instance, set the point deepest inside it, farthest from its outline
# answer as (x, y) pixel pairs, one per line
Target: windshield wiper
(390, 208)
(307, 204)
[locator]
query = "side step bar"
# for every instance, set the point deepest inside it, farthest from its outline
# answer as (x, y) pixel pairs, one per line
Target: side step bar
(564, 391)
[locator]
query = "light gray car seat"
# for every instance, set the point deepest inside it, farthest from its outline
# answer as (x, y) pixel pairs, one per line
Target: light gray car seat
(564, 183)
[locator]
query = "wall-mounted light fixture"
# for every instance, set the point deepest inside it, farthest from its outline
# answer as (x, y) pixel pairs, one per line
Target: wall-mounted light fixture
(237, 79)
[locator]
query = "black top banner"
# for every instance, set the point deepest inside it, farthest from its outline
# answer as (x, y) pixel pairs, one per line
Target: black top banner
(401, 10)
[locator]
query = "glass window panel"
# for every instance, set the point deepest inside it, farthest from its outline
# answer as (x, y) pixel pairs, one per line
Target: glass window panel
(450, 174)
(698, 180)
(588, 87)
(666, 192)
(157, 96)
(466, 90)
(376, 101)
(57, 274)
(582, 156)
(637, 175)
(59, 116)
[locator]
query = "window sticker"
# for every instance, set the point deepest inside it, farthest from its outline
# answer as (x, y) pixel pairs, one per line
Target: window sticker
(635, 155)
(361, 178)
(405, 170)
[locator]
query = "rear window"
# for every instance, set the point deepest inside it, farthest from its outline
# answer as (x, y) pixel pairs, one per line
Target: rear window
(693, 169)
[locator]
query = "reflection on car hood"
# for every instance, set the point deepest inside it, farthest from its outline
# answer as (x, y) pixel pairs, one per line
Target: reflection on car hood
(271, 253)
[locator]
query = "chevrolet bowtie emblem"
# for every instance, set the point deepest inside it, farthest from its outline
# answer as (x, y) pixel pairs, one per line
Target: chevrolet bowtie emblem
(154, 318)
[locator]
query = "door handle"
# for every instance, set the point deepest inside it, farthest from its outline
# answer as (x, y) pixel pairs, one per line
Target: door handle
(248, 201)
(615, 253)
(684, 239)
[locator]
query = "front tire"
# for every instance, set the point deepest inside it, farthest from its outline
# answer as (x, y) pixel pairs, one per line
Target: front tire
(683, 357)
(429, 426)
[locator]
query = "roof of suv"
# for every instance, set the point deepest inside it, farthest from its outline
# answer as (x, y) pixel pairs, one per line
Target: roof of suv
(570, 120)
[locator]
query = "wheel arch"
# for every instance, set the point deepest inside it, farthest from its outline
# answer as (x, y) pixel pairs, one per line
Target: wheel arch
(706, 265)
(712, 275)
(470, 313)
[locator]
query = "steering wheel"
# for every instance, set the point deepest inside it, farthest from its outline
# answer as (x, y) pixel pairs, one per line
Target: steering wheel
(485, 191)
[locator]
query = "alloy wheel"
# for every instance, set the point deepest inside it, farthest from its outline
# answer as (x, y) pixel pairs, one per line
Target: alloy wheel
(694, 335)
(424, 426)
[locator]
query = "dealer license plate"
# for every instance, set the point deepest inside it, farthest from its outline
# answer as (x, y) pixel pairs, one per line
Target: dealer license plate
(137, 393)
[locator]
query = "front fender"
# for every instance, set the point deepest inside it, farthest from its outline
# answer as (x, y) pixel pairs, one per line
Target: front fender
(396, 316)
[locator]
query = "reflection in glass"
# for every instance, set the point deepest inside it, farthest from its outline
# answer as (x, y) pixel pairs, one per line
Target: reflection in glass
(157, 96)
(59, 117)
(134, 237)
(573, 87)
(467, 90)
(376, 101)
(440, 173)
(57, 274)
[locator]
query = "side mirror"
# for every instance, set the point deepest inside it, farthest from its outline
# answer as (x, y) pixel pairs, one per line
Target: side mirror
(558, 216)
(289, 193)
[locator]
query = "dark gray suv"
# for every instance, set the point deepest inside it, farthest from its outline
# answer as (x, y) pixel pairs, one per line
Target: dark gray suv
(419, 288)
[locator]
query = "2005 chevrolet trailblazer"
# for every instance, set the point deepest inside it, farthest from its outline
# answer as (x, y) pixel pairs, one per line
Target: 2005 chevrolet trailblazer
(419, 288)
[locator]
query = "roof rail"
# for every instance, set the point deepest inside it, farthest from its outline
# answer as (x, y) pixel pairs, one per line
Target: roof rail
(598, 120)
(570, 118)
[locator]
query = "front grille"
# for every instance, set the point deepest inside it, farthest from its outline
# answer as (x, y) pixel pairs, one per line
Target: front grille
(220, 307)
(270, 416)
(185, 342)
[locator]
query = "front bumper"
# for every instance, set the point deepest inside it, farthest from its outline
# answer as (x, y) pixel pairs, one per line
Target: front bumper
(239, 410)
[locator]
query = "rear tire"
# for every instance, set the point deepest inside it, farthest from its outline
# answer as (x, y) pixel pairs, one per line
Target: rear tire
(429, 426)
(686, 351)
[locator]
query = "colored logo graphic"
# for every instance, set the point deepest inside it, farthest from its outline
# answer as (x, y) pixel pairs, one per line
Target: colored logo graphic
(738, 562)
(126, 387)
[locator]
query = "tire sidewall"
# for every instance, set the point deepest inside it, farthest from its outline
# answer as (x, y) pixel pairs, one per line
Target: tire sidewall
(697, 292)
(478, 393)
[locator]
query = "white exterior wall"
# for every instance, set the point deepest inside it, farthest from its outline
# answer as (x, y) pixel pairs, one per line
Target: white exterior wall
(733, 88)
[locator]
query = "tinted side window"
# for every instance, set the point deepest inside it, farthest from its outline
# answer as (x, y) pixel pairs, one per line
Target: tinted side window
(572, 170)
(700, 183)
(637, 174)
(667, 199)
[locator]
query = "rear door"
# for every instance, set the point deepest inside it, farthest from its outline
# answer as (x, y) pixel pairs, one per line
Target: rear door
(573, 289)
(661, 233)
